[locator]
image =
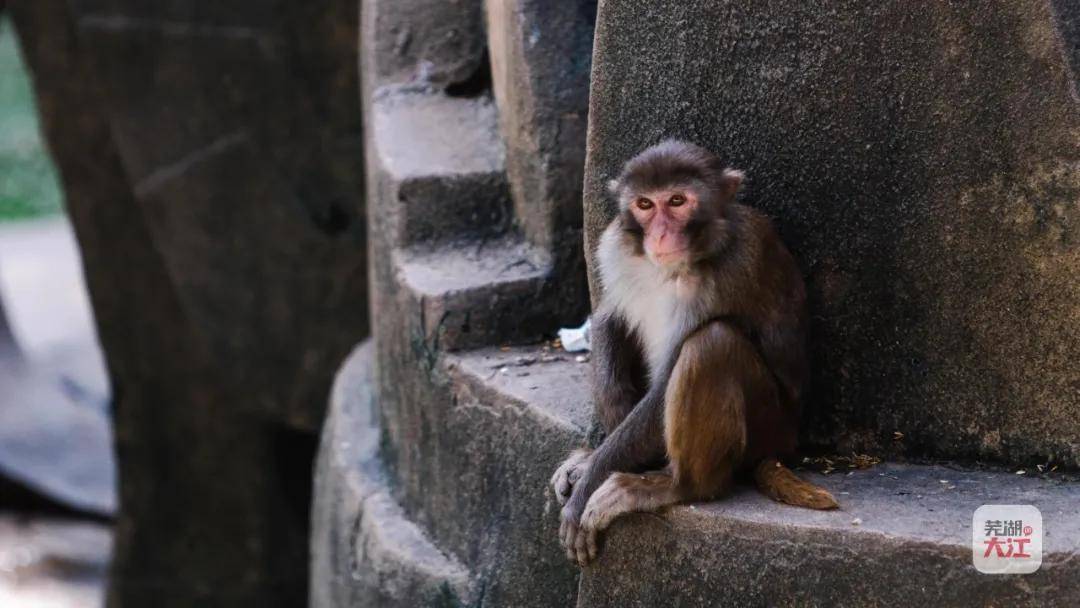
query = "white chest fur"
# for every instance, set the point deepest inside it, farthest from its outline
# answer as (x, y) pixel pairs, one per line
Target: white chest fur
(654, 304)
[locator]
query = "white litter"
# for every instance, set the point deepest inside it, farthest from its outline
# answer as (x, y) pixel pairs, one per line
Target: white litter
(575, 339)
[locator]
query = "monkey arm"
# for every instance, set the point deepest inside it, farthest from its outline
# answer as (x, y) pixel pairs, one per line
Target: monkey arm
(636, 442)
(618, 369)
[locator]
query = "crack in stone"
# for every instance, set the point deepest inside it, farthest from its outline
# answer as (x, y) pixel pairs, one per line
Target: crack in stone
(163, 175)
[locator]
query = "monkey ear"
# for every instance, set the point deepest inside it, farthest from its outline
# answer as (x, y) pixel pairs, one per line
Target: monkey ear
(730, 182)
(613, 186)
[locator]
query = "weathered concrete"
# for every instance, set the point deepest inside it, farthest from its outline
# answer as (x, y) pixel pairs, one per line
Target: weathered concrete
(924, 167)
(452, 188)
(461, 465)
(241, 136)
(364, 552)
(540, 56)
(210, 158)
(902, 535)
(910, 547)
(427, 42)
(1068, 23)
(475, 507)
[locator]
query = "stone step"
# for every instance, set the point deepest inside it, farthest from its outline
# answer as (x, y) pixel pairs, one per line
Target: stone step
(442, 160)
(365, 552)
(902, 537)
(903, 530)
(506, 420)
(461, 289)
(499, 423)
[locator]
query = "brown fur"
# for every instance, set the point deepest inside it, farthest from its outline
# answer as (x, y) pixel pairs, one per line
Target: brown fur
(778, 483)
(727, 369)
(704, 415)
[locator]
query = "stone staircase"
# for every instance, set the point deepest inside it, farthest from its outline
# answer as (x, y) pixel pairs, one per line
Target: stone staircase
(438, 162)
(442, 432)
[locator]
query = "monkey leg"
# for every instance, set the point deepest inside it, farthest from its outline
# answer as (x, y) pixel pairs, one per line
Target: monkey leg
(705, 415)
(704, 431)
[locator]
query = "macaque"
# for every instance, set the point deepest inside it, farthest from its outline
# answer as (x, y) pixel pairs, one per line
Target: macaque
(698, 347)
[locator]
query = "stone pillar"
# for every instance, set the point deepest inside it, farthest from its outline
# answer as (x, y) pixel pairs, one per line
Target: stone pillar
(473, 192)
(540, 59)
(211, 159)
(924, 167)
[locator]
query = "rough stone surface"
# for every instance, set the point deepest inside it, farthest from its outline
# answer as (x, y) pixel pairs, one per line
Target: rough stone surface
(428, 42)
(462, 464)
(1068, 21)
(461, 161)
(540, 56)
(454, 291)
(912, 546)
(923, 166)
(241, 137)
(475, 522)
(902, 535)
(364, 552)
(210, 156)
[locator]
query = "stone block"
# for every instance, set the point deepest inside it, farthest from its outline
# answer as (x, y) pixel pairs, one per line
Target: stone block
(540, 58)
(436, 43)
(924, 168)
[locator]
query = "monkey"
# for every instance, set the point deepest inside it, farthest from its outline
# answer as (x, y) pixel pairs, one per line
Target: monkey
(699, 350)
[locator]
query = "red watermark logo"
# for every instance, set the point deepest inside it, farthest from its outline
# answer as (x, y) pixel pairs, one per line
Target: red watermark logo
(1006, 539)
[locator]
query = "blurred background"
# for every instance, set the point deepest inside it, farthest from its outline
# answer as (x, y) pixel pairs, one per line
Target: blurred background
(57, 475)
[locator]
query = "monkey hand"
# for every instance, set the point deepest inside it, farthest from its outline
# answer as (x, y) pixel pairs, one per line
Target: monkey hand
(577, 538)
(568, 474)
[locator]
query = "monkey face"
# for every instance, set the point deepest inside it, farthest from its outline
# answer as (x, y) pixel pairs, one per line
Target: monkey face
(671, 197)
(664, 216)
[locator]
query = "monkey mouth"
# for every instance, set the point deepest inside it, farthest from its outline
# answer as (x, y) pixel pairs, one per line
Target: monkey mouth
(672, 253)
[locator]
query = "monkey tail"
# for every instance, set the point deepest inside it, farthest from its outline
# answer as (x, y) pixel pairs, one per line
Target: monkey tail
(780, 484)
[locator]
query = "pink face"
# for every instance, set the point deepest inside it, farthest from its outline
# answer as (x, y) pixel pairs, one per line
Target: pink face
(663, 216)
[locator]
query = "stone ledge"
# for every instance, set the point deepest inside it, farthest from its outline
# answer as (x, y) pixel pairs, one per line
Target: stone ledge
(911, 539)
(551, 385)
(364, 550)
(902, 534)
(911, 545)
(458, 286)
(488, 267)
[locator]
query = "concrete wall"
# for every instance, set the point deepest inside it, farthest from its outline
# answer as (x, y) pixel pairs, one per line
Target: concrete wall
(924, 167)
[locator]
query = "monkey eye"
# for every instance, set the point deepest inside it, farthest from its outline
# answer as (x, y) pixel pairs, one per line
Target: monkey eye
(677, 200)
(643, 203)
